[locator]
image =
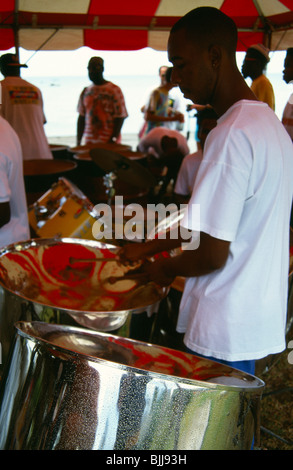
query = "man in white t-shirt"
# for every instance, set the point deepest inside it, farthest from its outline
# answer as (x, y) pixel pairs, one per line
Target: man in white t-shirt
(14, 226)
(22, 107)
(287, 118)
(234, 303)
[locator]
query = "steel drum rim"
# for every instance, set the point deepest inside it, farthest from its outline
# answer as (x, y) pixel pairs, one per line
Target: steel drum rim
(257, 388)
(92, 243)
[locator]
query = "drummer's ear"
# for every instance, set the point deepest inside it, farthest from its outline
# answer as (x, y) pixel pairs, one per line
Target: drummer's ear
(215, 55)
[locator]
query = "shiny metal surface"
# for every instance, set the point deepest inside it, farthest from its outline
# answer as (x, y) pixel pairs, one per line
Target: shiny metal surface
(71, 388)
(29, 290)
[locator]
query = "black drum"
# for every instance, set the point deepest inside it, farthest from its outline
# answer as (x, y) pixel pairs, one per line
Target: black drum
(39, 176)
(60, 152)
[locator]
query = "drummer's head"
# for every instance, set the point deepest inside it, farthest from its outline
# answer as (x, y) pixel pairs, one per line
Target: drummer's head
(95, 67)
(10, 66)
(202, 47)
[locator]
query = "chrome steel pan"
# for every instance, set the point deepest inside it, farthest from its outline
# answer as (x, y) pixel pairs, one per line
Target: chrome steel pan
(71, 388)
(38, 282)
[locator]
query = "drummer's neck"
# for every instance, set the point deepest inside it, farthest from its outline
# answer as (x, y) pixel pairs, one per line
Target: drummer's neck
(100, 81)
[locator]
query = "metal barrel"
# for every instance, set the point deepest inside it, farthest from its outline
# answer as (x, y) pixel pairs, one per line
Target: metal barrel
(68, 388)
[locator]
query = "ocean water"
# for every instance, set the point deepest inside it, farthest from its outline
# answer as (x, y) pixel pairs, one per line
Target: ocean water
(61, 95)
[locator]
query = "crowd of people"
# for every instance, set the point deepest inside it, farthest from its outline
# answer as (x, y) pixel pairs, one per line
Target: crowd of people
(233, 307)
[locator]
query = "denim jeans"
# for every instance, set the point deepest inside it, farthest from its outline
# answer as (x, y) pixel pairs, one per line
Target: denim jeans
(245, 366)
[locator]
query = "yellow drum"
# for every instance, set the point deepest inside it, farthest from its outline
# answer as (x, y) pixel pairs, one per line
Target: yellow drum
(63, 211)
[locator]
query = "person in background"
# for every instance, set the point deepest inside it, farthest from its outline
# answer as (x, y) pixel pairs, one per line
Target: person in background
(234, 304)
(101, 108)
(162, 75)
(207, 120)
(287, 118)
(165, 148)
(254, 65)
(151, 143)
(22, 107)
(158, 112)
(14, 226)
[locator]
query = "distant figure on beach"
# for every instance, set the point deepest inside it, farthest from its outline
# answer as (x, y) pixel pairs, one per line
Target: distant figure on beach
(22, 107)
(158, 111)
(162, 76)
(287, 118)
(254, 65)
(101, 108)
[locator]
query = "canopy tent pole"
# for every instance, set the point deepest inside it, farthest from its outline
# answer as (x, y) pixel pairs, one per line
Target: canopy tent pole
(16, 28)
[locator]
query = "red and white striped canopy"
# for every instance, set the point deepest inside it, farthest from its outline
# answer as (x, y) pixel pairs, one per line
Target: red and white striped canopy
(133, 24)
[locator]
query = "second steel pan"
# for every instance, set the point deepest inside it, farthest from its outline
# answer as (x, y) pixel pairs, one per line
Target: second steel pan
(73, 389)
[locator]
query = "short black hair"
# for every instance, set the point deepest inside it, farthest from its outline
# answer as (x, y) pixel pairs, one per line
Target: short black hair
(290, 52)
(211, 26)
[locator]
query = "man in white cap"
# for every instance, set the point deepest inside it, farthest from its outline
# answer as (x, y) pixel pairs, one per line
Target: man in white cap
(254, 64)
(22, 107)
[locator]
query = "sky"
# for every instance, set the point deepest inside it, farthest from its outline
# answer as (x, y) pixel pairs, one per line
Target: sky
(143, 62)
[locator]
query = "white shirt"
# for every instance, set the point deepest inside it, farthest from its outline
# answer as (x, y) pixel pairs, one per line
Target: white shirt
(187, 173)
(151, 143)
(22, 107)
(244, 187)
(12, 187)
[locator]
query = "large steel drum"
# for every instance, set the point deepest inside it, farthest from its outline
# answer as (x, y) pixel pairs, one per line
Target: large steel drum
(73, 389)
(40, 281)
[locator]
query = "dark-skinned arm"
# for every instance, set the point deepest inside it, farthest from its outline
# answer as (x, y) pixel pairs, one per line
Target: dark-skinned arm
(80, 128)
(210, 256)
(118, 123)
(134, 252)
(152, 117)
